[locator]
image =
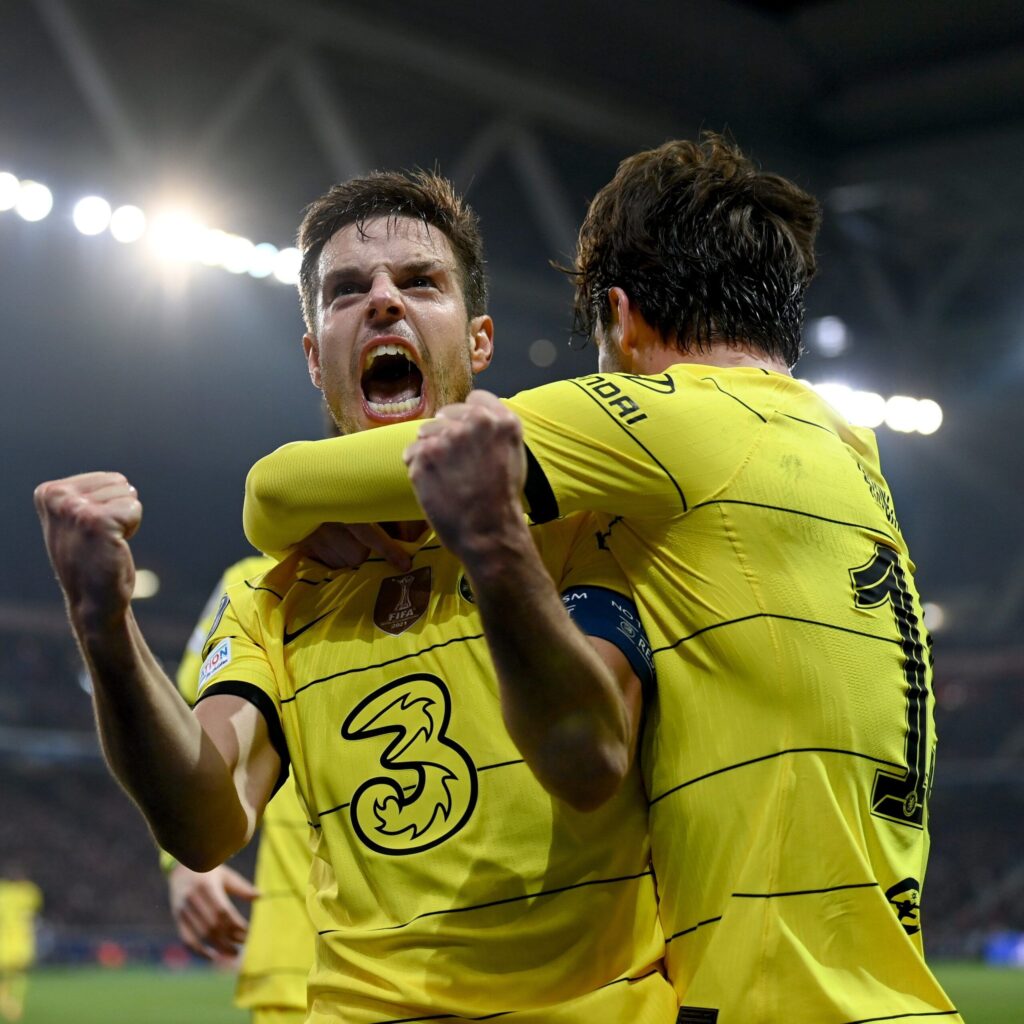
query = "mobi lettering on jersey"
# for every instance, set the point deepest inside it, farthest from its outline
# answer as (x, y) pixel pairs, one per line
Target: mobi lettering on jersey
(627, 409)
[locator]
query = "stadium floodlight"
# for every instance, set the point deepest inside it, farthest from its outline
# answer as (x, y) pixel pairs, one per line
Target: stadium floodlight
(830, 336)
(929, 416)
(147, 584)
(262, 260)
(543, 352)
(286, 266)
(91, 215)
(866, 409)
(213, 249)
(177, 236)
(901, 414)
(934, 616)
(837, 395)
(34, 201)
(127, 224)
(10, 188)
(237, 254)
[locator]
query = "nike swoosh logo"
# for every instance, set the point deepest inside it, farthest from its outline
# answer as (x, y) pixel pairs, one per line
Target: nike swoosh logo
(289, 637)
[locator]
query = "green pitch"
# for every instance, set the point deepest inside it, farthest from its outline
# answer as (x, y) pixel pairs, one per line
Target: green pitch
(984, 995)
(88, 995)
(135, 995)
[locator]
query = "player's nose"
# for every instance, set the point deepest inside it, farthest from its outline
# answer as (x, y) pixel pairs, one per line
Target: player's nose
(384, 300)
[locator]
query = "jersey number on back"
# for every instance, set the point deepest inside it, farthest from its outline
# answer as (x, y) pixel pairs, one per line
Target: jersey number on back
(430, 789)
(900, 798)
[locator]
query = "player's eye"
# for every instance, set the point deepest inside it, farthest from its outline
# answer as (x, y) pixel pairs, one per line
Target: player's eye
(420, 281)
(342, 288)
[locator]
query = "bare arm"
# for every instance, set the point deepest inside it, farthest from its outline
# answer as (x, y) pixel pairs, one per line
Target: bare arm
(200, 780)
(570, 703)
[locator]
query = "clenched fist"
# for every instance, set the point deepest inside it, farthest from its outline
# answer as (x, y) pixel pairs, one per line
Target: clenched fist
(468, 467)
(87, 521)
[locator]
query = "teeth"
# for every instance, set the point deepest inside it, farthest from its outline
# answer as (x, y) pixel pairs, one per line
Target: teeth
(384, 350)
(394, 408)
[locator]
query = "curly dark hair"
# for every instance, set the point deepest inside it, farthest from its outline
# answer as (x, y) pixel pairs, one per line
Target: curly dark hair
(708, 247)
(422, 195)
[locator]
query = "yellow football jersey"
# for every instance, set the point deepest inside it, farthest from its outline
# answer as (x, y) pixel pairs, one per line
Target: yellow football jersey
(788, 756)
(278, 952)
(446, 881)
(20, 901)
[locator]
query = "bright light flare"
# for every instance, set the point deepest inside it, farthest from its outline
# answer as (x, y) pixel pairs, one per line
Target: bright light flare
(177, 236)
(238, 254)
(901, 413)
(91, 215)
(286, 266)
(929, 416)
(830, 336)
(262, 260)
(127, 224)
(10, 188)
(147, 584)
(934, 616)
(34, 202)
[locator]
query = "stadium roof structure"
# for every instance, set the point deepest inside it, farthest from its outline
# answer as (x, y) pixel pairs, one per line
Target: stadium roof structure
(907, 119)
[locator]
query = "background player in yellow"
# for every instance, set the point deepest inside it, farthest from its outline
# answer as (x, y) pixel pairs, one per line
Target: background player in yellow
(278, 939)
(446, 881)
(789, 753)
(20, 902)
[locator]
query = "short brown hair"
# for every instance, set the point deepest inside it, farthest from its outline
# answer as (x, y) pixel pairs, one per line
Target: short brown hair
(706, 245)
(422, 195)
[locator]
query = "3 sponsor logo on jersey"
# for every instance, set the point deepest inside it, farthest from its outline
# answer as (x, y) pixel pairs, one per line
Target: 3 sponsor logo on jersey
(625, 408)
(217, 659)
(427, 789)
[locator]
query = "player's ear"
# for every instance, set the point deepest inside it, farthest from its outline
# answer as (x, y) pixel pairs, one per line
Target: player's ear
(623, 330)
(481, 342)
(312, 350)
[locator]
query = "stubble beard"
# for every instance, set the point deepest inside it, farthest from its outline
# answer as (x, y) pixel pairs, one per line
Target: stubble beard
(450, 382)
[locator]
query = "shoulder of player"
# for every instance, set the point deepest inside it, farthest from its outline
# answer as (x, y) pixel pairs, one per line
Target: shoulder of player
(558, 540)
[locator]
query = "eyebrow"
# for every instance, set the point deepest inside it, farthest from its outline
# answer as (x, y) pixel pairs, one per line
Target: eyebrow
(427, 265)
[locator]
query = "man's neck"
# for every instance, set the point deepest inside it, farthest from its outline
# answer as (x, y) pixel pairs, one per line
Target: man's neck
(410, 531)
(659, 358)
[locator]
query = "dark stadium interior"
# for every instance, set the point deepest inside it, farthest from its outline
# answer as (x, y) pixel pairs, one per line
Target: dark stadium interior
(906, 119)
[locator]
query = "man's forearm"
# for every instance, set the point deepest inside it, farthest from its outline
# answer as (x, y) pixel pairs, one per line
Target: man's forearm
(158, 750)
(562, 705)
(359, 478)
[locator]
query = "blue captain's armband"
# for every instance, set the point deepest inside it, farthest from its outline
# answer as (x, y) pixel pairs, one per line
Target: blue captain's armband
(606, 614)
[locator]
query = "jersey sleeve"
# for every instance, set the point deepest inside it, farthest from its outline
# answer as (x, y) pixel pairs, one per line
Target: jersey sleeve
(235, 663)
(597, 597)
(187, 676)
(593, 443)
(357, 478)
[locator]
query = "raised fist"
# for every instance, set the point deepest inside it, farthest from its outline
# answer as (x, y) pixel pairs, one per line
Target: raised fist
(87, 521)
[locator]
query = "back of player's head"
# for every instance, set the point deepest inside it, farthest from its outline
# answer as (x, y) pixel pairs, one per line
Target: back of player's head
(706, 245)
(422, 195)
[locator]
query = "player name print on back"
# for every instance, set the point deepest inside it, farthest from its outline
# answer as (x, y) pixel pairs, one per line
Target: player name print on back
(402, 600)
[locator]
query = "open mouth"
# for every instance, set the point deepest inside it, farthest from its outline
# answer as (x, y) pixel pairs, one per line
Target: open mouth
(392, 383)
